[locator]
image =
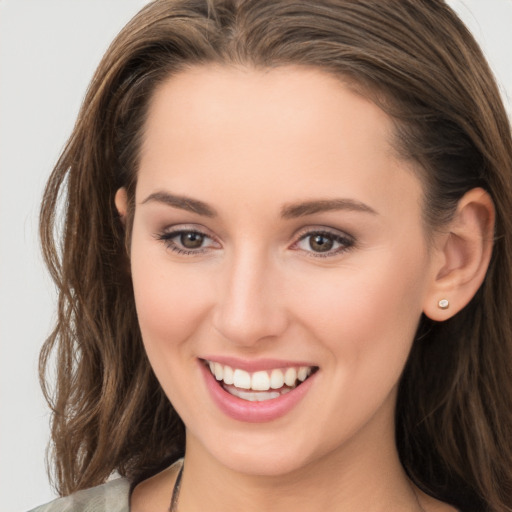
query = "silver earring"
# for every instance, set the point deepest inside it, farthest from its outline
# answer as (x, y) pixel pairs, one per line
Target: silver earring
(443, 304)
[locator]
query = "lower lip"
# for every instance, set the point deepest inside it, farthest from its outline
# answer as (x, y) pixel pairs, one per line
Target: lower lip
(254, 412)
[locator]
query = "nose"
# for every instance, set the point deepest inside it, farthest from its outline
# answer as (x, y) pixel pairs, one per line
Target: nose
(251, 300)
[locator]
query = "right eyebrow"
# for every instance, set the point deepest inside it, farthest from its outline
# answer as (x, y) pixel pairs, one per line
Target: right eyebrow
(305, 208)
(181, 202)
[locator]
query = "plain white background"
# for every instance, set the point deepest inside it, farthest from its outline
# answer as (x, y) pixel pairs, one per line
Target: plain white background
(48, 52)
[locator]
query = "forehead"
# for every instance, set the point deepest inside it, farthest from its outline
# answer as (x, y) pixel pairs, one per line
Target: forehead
(289, 130)
(203, 99)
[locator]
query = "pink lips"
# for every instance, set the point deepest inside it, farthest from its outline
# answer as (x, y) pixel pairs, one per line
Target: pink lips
(254, 412)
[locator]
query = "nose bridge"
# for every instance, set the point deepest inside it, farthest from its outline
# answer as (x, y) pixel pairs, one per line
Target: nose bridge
(249, 307)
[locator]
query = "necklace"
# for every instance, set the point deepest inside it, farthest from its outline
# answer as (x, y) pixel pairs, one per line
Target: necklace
(173, 507)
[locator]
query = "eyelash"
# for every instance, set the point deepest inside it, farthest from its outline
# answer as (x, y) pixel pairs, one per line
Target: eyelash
(167, 239)
(346, 242)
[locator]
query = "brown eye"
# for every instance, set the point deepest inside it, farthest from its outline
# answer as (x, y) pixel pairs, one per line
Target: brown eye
(188, 242)
(321, 243)
(191, 240)
(324, 243)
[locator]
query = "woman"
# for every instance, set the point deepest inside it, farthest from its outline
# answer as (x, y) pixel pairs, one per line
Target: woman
(290, 221)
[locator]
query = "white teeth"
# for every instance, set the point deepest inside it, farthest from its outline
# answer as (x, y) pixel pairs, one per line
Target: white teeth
(290, 376)
(303, 373)
(228, 375)
(260, 381)
(254, 397)
(242, 379)
(276, 379)
(218, 370)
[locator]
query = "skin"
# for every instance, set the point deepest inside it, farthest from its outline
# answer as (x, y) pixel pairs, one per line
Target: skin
(256, 288)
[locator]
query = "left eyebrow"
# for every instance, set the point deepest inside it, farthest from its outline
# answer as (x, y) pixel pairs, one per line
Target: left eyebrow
(294, 210)
(181, 202)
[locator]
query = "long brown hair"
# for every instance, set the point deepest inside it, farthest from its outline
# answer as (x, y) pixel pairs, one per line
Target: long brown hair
(419, 63)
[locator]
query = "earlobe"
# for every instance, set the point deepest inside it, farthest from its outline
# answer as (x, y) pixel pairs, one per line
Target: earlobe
(121, 202)
(463, 256)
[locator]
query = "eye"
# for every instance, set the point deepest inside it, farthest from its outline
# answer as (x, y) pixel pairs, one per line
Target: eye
(324, 243)
(191, 239)
(187, 241)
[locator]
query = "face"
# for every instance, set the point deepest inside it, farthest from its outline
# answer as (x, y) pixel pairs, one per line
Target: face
(278, 244)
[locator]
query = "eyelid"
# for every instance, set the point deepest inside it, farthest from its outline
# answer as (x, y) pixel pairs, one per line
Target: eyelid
(346, 240)
(167, 234)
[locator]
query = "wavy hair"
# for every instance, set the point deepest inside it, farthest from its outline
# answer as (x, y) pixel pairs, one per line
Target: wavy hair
(416, 60)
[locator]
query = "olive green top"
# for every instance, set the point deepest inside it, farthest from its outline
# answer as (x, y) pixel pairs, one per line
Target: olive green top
(114, 496)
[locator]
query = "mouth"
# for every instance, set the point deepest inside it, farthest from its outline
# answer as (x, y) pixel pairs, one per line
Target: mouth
(259, 386)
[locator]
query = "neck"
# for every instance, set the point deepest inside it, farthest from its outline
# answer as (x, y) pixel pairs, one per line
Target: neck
(370, 480)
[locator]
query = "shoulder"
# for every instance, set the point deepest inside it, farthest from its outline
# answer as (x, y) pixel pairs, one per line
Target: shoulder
(113, 496)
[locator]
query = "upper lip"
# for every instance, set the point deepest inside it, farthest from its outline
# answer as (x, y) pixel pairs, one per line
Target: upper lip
(254, 365)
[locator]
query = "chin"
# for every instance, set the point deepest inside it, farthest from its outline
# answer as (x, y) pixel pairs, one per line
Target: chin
(261, 455)
(266, 465)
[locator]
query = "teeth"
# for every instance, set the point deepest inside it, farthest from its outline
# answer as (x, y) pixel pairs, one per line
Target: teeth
(218, 371)
(228, 375)
(290, 376)
(259, 381)
(251, 396)
(276, 379)
(303, 373)
(241, 379)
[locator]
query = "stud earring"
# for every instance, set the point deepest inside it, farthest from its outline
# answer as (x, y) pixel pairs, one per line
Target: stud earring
(443, 304)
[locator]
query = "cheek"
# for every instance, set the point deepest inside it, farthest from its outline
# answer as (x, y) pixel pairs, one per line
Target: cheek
(366, 320)
(371, 309)
(169, 301)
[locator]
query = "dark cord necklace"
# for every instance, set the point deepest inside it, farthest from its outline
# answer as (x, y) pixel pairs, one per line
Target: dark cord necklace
(173, 507)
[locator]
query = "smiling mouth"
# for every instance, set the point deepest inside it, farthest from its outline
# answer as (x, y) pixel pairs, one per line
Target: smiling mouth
(262, 385)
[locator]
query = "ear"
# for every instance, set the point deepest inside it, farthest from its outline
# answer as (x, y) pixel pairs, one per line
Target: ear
(461, 256)
(121, 202)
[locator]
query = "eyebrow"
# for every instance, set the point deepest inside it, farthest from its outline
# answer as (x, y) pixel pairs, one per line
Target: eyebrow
(181, 202)
(289, 211)
(302, 209)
